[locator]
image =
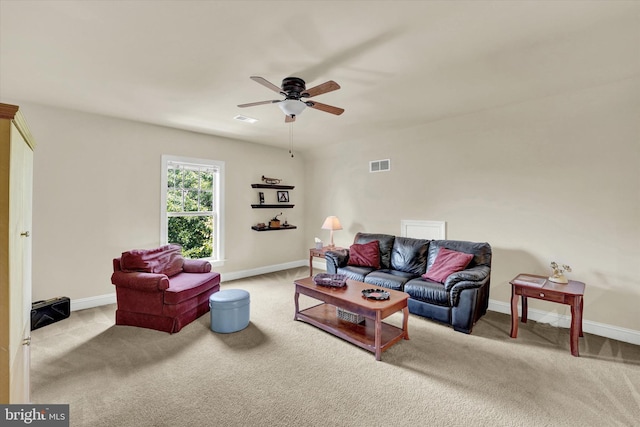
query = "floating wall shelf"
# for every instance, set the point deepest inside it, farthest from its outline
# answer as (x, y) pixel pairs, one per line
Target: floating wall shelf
(290, 227)
(273, 186)
(265, 206)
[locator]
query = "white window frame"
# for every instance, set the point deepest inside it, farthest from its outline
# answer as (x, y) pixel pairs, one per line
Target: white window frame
(218, 203)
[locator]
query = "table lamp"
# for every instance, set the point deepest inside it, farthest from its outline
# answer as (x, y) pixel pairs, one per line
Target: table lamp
(331, 223)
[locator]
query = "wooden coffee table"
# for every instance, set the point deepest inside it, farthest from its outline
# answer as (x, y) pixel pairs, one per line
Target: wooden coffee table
(373, 335)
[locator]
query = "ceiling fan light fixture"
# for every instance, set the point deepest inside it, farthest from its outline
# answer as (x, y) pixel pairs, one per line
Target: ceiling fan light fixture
(292, 107)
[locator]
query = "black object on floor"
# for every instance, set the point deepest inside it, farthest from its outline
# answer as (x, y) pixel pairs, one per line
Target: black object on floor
(49, 311)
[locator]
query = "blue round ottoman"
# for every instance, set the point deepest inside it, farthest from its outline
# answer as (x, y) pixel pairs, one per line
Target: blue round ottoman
(229, 310)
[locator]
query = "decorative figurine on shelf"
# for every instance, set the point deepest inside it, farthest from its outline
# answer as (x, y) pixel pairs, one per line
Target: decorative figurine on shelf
(272, 181)
(261, 197)
(275, 222)
(558, 270)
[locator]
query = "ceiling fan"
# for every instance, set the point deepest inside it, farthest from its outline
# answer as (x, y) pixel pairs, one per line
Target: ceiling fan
(294, 90)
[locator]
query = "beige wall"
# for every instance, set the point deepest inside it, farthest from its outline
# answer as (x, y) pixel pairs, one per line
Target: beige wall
(556, 178)
(97, 194)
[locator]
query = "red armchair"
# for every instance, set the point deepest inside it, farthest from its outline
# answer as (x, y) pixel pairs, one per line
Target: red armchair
(159, 289)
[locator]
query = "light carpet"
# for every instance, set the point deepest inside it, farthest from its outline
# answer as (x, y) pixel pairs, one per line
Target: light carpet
(281, 372)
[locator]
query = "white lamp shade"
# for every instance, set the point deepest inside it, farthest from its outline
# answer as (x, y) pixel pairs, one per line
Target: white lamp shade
(332, 223)
(292, 107)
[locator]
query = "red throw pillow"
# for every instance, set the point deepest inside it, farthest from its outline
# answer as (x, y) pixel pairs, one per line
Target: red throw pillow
(446, 263)
(365, 255)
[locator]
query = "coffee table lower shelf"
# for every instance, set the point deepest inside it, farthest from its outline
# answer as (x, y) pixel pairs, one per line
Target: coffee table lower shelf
(323, 316)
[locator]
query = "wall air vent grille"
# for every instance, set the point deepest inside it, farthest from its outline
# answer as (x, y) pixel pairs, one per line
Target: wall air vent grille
(380, 165)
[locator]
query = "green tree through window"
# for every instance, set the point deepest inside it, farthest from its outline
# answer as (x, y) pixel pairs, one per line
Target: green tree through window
(192, 208)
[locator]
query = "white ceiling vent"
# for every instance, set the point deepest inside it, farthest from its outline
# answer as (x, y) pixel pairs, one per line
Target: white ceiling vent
(380, 165)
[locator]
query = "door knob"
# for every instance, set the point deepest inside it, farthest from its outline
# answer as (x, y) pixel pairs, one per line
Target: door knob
(25, 234)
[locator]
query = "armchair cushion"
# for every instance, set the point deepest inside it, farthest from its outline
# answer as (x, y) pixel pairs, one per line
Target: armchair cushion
(185, 286)
(446, 263)
(365, 255)
(166, 260)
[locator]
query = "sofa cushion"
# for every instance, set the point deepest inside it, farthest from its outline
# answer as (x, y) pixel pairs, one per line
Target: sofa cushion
(365, 255)
(409, 255)
(355, 273)
(481, 251)
(166, 259)
(384, 240)
(446, 263)
(427, 291)
(390, 279)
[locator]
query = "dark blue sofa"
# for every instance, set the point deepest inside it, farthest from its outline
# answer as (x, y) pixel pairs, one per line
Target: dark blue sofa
(460, 301)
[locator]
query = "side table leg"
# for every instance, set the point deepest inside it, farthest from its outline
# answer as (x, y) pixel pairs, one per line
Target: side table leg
(576, 321)
(310, 265)
(296, 296)
(525, 309)
(514, 312)
(581, 311)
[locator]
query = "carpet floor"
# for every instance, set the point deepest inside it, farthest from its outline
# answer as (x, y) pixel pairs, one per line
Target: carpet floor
(281, 372)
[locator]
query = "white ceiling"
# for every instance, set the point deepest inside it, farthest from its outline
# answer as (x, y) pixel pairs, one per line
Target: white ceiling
(186, 64)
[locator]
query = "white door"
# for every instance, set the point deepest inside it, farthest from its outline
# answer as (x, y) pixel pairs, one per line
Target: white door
(20, 201)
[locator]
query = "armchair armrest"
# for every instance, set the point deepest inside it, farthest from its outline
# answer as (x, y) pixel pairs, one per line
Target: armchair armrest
(146, 282)
(196, 266)
(336, 259)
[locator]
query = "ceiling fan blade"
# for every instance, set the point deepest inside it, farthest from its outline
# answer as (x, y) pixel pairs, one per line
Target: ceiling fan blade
(289, 119)
(264, 82)
(251, 104)
(326, 108)
(320, 89)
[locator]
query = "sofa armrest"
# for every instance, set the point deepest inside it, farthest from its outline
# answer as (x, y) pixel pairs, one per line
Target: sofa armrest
(472, 278)
(336, 259)
(475, 275)
(196, 266)
(146, 282)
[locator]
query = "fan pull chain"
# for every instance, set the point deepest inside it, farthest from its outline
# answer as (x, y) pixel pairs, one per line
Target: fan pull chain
(291, 138)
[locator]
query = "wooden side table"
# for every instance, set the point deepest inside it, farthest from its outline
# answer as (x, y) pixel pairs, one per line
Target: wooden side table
(539, 287)
(319, 253)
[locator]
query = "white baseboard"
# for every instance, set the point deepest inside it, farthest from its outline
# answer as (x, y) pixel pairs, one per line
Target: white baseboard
(225, 277)
(601, 329)
(320, 265)
(90, 302)
(608, 331)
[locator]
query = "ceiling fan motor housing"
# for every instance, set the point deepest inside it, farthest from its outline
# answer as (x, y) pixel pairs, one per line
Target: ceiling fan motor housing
(293, 87)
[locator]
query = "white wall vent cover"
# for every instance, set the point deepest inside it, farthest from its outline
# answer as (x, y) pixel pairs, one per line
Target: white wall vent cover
(430, 230)
(380, 165)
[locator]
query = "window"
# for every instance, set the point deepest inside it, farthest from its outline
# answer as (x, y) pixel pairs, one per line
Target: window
(192, 200)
